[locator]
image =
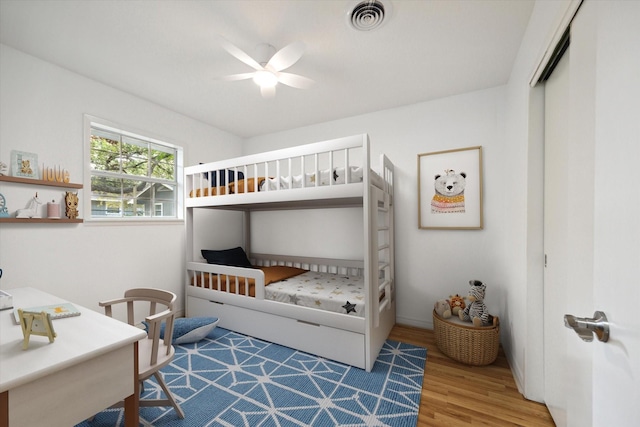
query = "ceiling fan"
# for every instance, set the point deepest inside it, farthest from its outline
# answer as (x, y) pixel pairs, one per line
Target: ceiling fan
(268, 65)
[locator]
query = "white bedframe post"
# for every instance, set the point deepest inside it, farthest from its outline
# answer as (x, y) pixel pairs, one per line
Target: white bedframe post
(246, 232)
(317, 169)
(347, 167)
(388, 176)
(330, 167)
(189, 250)
(369, 253)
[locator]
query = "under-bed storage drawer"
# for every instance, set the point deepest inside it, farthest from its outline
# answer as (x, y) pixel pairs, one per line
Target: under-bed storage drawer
(331, 343)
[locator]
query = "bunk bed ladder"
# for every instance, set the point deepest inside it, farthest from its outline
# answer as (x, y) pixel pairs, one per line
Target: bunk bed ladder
(383, 242)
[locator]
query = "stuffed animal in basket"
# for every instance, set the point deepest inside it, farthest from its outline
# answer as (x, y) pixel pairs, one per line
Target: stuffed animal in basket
(476, 312)
(442, 308)
(456, 302)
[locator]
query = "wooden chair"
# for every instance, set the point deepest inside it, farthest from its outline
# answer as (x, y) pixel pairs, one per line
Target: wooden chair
(153, 353)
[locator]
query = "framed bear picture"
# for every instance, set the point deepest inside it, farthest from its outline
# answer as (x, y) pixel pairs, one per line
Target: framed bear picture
(450, 189)
(24, 165)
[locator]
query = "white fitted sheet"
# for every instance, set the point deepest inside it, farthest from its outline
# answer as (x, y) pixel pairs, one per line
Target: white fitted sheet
(325, 291)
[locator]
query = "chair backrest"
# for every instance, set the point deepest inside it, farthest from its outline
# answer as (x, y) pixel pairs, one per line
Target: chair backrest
(160, 309)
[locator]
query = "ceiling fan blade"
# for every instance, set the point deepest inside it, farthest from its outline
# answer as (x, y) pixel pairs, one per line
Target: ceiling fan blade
(239, 54)
(235, 77)
(268, 91)
(286, 57)
(295, 80)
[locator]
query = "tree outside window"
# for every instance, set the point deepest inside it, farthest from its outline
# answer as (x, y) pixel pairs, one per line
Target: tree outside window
(132, 176)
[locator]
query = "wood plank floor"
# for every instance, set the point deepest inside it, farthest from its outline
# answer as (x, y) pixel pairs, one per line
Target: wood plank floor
(454, 394)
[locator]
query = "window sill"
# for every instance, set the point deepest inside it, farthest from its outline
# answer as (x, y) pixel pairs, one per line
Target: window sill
(129, 222)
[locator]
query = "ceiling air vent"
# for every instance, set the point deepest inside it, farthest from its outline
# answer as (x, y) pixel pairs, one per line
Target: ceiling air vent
(368, 15)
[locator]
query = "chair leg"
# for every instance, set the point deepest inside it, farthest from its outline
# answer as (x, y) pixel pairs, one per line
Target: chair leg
(170, 397)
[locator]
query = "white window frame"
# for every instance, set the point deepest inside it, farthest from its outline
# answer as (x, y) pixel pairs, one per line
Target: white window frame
(94, 122)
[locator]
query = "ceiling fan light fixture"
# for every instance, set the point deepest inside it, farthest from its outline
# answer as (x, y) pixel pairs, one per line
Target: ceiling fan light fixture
(367, 15)
(268, 66)
(265, 78)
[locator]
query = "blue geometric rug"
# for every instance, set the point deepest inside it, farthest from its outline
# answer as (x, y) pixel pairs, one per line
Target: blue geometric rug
(230, 379)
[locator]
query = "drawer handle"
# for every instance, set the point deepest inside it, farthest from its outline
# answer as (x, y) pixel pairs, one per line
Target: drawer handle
(308, 323)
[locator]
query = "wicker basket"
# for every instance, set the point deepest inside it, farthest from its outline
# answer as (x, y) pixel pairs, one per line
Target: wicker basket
(467, 344)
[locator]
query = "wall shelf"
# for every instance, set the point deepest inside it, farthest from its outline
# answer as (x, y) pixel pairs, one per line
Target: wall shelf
(41, 220)
(41, 182)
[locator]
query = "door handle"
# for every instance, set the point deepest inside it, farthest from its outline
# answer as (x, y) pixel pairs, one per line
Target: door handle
(585, 327)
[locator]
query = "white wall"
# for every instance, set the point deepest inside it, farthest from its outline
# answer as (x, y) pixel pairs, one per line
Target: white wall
(41, 111)
(430, 264)
(328, 233)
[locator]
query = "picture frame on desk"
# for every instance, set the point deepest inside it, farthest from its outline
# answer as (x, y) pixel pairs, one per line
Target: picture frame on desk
(33, 323)
(24, 165)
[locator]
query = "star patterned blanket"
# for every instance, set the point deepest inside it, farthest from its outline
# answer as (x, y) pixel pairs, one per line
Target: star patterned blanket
(325, 291)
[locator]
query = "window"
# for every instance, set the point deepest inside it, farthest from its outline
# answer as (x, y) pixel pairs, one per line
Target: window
(133, 177)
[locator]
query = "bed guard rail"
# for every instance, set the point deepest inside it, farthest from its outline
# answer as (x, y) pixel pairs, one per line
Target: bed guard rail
(247, 282)
(321, 265)
(343, 160)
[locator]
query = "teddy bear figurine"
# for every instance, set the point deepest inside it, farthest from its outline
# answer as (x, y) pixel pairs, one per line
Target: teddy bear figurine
(442, 308)
(476, 311)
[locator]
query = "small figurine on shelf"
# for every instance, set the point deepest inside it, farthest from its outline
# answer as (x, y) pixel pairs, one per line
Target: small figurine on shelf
(3, 168)
(71, 201)
(32, 210)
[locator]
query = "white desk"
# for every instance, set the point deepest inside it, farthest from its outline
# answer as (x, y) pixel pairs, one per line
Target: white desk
(91, 365)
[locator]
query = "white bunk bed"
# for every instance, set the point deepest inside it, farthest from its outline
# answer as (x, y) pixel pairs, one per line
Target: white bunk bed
(334, 173)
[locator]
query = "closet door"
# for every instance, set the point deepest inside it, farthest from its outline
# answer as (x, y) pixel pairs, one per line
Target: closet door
(566, 383)
(592, 226)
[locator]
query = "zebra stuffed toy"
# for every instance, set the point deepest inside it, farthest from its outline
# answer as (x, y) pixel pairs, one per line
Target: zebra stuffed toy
(476, 311)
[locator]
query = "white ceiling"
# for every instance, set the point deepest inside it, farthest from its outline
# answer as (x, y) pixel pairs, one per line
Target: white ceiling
(167, 52)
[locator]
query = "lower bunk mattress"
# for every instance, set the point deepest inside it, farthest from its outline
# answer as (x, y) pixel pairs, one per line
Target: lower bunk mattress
(324, 291)
(344, 294)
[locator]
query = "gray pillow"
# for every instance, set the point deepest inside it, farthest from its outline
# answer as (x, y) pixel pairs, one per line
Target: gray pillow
(189, 329)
